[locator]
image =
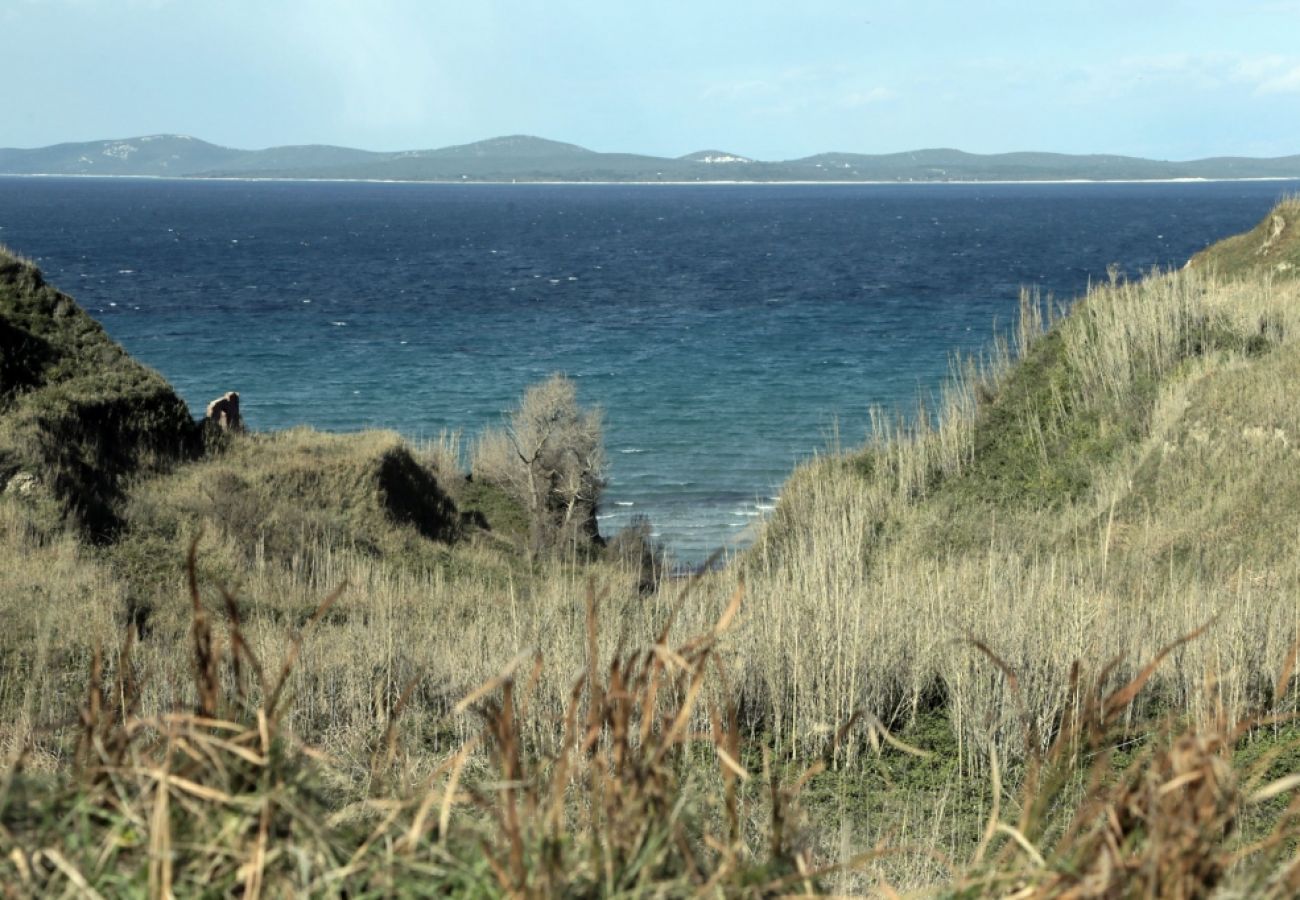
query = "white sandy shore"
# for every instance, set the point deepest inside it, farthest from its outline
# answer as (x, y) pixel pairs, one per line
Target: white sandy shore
(718, 183)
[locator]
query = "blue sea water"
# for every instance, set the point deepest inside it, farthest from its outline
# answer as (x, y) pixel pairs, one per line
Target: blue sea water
(727, 331)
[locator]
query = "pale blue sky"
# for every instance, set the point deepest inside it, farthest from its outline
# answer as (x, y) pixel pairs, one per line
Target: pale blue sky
(772, 79)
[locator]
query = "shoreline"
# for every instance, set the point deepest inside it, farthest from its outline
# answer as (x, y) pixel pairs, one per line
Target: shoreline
(717, 183)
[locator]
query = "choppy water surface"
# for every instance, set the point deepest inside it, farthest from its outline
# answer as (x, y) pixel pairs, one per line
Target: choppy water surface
(725, 330)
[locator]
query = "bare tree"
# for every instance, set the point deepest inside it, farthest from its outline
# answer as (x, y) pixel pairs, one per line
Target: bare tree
(551, 457)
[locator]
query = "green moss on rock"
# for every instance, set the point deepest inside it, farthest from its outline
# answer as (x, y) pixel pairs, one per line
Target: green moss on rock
(77, 413)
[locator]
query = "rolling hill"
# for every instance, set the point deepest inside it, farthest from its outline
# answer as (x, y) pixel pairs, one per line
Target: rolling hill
(532, 159)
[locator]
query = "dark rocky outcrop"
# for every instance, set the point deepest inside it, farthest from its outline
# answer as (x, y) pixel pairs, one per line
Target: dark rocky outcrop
(223, 413)
(77, 413)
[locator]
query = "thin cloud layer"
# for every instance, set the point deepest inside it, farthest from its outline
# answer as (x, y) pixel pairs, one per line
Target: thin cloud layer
(767, 79)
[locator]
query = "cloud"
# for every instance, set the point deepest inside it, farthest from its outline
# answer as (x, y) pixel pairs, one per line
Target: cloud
(736, 90)
(1182, 71)
(857, 99)
(1183, 74)
(799, 88)
(384, 69)
(1285, 82)
(1272, 74)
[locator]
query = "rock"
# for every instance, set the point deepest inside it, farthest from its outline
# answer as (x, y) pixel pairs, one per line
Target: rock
(1276, 226)
(23, 484)
(224, 411)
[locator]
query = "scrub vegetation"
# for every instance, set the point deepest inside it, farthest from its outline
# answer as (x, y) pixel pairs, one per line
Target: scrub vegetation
(1038, 638)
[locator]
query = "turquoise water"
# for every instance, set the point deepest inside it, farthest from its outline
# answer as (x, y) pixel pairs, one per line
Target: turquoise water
(727, 331)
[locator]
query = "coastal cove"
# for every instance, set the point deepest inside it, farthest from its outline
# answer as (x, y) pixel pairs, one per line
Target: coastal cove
(727, 331)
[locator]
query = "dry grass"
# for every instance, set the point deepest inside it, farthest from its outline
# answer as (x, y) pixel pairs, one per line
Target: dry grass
(877, 565)
(218, 795)
(1162, 825)
(1272, 246)
(1096, 488)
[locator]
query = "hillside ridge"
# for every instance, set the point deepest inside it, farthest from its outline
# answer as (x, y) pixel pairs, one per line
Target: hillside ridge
(79, 416)
(529, 158)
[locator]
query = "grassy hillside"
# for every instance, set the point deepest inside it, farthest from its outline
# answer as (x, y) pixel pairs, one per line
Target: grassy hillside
(1091, 493)
(78, 416)
(1039, 637)
(105, 481)
(1272, 247)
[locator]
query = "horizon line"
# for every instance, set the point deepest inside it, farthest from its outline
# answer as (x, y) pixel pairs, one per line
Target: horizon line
(740, 159)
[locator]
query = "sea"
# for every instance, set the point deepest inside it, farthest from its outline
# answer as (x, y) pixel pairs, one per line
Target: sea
(727, 331)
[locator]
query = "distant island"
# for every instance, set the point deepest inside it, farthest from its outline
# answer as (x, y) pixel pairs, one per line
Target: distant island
(521, 158)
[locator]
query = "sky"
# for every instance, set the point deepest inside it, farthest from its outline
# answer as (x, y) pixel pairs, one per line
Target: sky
(769, 79)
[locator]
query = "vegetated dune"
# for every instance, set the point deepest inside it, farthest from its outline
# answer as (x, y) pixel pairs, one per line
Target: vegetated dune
(77, 414)
(1271, 247)
(1091, 492)
(1103, 483)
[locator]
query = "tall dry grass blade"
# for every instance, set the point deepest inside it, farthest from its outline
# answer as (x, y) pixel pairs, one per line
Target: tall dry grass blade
(1280, 786)
(1283, 683)
(530, 686)
(240, 651)
(616, 717)
(487, 687)
(430, 796)
(674, 732)
(389, 740)
(1122, 697)
(160, 844)
(731, 764)
(12, 769)
(21, 864)
(206, 661)
(777, 887)
(1023, 842)
(649, 692)
(295, 647)
(91, 713)
(595, 700)
(126, 690)
(507, 751)
(995, 808)
(733, 607)
(802, 781)
(254, 870)
(449, 796)
(726, 745)
(70, 872)
(554, 820)
(166, 780)
(1007, 672)
(501, 875)
(879, 731)
(695, 578)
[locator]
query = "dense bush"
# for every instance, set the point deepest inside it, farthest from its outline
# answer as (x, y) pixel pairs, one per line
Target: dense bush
(550, 456)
